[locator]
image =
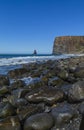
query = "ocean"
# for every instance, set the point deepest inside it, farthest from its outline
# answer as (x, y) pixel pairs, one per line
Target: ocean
(11, 61)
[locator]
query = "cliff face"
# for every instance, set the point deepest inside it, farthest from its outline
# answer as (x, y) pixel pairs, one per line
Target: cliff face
(68, 44)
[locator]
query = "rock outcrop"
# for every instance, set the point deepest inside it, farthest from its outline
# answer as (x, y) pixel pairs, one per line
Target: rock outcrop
(68, 45)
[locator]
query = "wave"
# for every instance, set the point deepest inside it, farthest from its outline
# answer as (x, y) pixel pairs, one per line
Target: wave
(24, 60)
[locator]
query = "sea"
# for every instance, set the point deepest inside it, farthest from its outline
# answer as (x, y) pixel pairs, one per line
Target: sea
(12, 61)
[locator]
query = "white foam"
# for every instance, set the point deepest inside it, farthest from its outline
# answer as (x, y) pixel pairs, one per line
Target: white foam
(24, 60)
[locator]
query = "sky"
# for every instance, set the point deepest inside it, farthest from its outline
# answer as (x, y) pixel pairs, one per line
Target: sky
(26, 25)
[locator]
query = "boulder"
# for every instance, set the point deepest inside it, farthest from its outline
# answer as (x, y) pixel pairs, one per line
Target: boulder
(76, 92)
(62, 114)
(4, 80)
(17, 72)
(79, 72)
(45, 94)
(10, 123)
(6, 109)
(42, 121)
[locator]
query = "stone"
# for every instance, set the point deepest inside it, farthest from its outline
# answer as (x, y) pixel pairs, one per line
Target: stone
(55, 82)
(17, 72)
(10, 123)
(63, 114)
(17, 84)
(6, 109)
(4, 90)
(45, 94)
(76, 92)
(4, 80)
(42, 121)
(26, 111)
(79, 72)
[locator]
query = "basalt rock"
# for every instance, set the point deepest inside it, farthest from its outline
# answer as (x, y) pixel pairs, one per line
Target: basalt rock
(4, 80)
(6, 109)
(63, 114)
(68, 44)
(76, 92)
(10, 123)
(47, 95)
(17, 72)
(42, 121)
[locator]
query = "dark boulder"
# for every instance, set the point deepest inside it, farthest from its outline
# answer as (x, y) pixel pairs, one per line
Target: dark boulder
(63, 114)
(45, 94)
(76, 92)
(17, 72)
(55, 82)
(79, 72)
(6, 109)
(10, 123)
(42, 121)
(4, 80)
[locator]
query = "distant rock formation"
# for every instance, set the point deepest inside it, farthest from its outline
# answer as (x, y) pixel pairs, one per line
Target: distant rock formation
(68, 44)
(35, 52)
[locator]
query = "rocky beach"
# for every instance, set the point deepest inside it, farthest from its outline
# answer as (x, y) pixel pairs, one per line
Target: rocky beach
(53, 98)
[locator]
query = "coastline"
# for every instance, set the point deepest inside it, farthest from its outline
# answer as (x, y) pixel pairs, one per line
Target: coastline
(47, 95)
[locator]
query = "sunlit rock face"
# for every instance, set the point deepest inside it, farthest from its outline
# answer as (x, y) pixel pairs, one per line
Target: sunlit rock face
(68, 45)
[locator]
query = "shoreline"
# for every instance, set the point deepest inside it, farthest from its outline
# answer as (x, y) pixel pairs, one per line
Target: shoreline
(46, 95)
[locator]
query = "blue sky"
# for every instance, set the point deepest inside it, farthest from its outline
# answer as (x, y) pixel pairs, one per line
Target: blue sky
(26, 25)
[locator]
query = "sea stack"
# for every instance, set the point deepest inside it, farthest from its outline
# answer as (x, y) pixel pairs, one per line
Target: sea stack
(35, 52)
(68, 45)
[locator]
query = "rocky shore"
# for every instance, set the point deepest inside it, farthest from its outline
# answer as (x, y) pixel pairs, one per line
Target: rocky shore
(52, 100)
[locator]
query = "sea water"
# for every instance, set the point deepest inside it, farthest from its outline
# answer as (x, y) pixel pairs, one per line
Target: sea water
(12, 61)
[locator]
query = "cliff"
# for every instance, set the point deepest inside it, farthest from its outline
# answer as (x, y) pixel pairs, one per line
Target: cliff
(68, 44)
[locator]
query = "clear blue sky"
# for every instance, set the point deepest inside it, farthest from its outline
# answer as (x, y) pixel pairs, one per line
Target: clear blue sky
(26, 25)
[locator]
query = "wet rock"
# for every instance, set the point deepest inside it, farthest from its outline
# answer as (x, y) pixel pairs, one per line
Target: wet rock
(4, 80)
(6, 109)
(4, 90)
(76, 92)
(42, 121)
(17, 102)
(26, 111)
(55, 82)
(17, 72)
(79, 72)
(63, 74)
(45, 94)
(20, 93)
(35, 83)
(82, 124)
(63, 114)
(10, 123)
(81, 108)
(17, 84)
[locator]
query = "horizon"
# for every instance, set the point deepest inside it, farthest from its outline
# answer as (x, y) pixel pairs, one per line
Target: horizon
(28, 25)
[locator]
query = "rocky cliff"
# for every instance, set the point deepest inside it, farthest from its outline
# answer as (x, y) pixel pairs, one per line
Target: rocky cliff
(68, 44)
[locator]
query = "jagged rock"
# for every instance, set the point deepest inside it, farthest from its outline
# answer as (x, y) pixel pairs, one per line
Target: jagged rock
(68, 44)
(42, 121)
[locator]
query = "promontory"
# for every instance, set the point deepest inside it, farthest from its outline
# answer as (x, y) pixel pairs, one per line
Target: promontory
(68, 45)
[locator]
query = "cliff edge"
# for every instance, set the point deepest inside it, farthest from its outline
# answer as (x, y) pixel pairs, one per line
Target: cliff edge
(68, 45)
